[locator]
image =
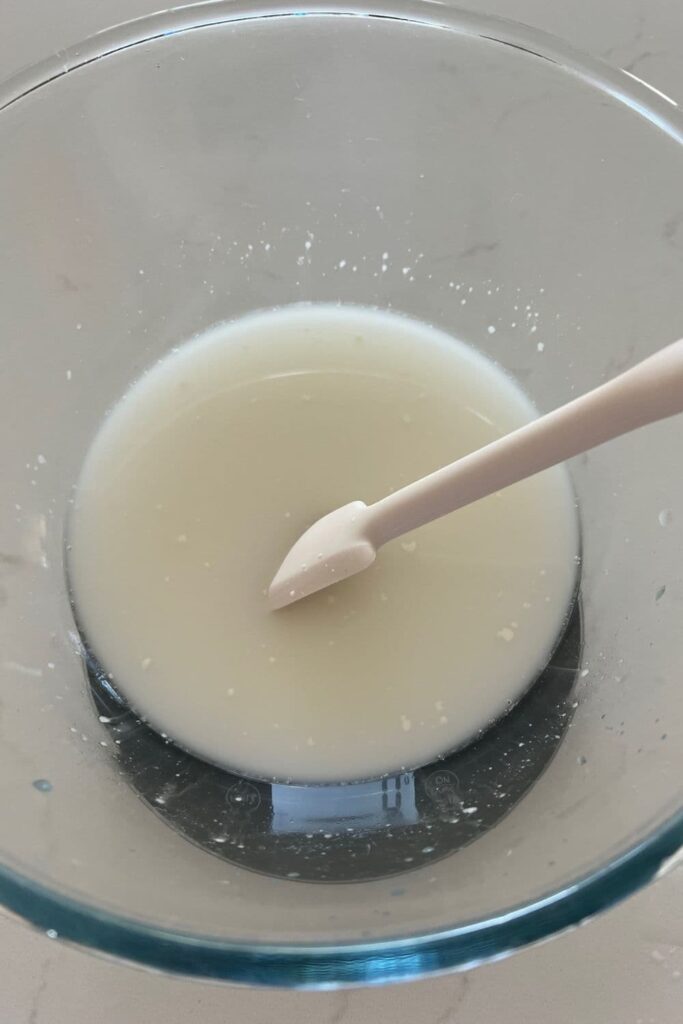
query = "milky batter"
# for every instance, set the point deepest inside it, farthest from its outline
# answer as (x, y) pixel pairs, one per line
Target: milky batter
(219, 457)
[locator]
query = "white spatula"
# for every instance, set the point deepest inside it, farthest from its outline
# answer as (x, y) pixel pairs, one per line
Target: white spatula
(346, 541)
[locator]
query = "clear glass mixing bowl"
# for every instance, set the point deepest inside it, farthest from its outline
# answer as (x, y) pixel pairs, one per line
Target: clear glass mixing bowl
(201, 163)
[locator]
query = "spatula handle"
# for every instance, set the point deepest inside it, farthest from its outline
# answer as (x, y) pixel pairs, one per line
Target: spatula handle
(649, 391)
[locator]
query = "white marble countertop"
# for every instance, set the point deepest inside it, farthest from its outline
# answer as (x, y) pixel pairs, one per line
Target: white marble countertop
(625, 967)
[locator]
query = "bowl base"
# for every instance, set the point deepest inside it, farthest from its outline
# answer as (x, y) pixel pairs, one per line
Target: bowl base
(355, 831)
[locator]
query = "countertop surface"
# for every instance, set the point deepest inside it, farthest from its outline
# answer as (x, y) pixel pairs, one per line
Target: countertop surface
(625, 967)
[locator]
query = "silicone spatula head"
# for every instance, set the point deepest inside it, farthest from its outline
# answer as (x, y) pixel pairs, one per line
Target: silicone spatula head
(335, 547)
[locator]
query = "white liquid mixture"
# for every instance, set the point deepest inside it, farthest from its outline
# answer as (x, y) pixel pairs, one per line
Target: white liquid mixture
(214, 463)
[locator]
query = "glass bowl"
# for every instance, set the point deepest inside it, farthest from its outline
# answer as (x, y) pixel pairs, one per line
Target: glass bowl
(188, 168)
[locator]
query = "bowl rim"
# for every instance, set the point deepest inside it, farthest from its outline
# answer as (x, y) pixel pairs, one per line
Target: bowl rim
(331, 965)
(334, 965)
